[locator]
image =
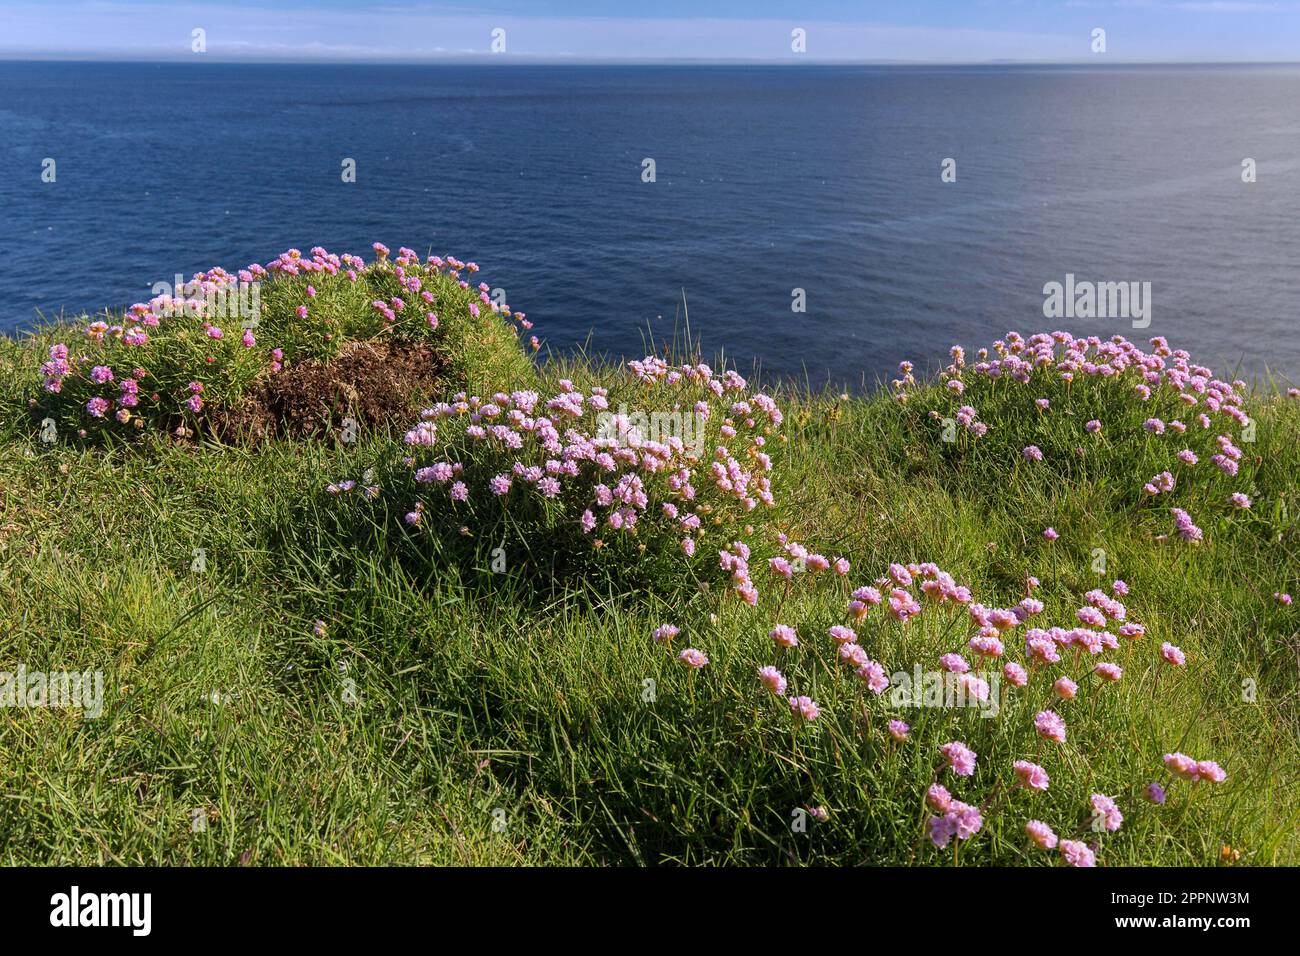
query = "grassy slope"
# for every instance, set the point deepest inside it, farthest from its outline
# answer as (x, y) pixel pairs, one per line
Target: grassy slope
(475, 693)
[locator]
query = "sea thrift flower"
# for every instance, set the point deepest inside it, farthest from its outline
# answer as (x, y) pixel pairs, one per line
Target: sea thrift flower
(692, 658)
(1240, 500)
(1065, 688)
(874, 675)
(1031, 776)
(961, 759)
(1015, 674)
(1173, 655)
(898, 730)
(772, 679)
(1181, 765)
(1092, 427)
(953, 664)
(938, 798)
(960, 820)
(1105, 812)
(1050, 726)
(1183, 523)
(1282, 598)
(784, 635)
(1076, 853)
(1108, 671)
(1211, 771)
(1050, 534)
(1032, 453)
(1041, 834)
(1155, 793)
(804, 707)
(664, 633)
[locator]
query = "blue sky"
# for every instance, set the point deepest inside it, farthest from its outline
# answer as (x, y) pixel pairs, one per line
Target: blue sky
(943, 31)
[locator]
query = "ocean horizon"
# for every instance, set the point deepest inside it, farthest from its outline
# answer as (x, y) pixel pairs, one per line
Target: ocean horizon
(820, 222)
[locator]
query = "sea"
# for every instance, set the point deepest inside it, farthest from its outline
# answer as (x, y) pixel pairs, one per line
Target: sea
(818, 223)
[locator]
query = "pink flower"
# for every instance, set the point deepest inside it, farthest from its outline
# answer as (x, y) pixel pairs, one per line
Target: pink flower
(1173, 654)
(804, 707)
(1015, 674)
(898, 730)
(960, 820)
(459, 492)
(1282, 598)
(1065, 688)
(874, 675)
(692, 658)
(1041, 834)
(1032, 453)
(1108, 671)
(772, 679)
(1050, 534)
(1076, 853)
(1031, 775)
(1105, 812)
(1181, 765)
(1092, 427)
(664, 633)
(953, 664)
(1211, 771)
(961, 759)
(1155, 793)
(1050, 726)
(784, 635)
(938, 798)
(841, 634)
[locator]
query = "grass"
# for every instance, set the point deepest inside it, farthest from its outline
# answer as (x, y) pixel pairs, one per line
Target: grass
(452, 715)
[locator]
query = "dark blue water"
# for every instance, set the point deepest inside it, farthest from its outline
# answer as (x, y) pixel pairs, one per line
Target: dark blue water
(768, 179)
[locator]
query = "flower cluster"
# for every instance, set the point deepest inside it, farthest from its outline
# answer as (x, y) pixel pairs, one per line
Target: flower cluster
(1160, 406)
(989, 637)
(168, 362)
(696, 462)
